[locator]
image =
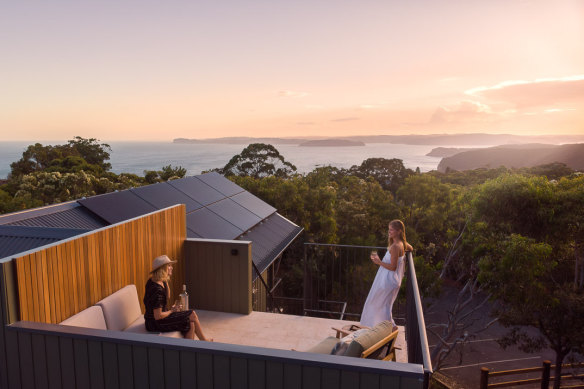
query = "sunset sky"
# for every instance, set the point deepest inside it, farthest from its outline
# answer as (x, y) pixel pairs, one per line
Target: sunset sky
(157, 70)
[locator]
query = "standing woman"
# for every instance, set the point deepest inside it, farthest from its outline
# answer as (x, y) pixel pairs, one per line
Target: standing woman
(388, 279)
(157, 317)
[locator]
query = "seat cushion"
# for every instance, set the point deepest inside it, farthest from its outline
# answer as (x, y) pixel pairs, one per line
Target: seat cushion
(325, 346)
(91, 317)
(172, 334)
(138, 326)
(368, 338)
(121, 308)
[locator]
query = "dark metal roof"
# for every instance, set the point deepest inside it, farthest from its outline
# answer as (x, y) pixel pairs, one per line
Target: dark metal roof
(164, 195)
(272, 236)
(118, 206)
(209, 225)
(17, 239)
(63, 215)
(216, 209)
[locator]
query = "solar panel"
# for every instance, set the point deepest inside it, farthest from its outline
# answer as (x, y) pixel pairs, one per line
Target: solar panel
(211, 226)
(220, 183)
(254, 204)
(197, 190)
(118, 206)
(164, 195)
(235, 213)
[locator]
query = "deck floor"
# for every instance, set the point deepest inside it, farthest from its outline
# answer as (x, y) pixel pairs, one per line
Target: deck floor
(271, 330)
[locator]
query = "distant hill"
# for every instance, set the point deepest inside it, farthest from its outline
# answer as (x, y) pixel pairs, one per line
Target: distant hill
(446, 151)
(331, 143)
(516, 156)
(433, 139)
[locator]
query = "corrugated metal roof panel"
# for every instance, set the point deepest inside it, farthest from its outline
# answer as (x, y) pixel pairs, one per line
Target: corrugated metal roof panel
(71, 215)
(17, 239)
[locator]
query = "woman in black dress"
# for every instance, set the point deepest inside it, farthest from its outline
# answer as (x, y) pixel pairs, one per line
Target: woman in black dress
(157, 317)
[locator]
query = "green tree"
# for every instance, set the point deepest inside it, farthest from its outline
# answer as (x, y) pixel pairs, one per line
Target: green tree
(259, 160)
(389, 173)
(531, 263)
(78, 154)
(167, 173)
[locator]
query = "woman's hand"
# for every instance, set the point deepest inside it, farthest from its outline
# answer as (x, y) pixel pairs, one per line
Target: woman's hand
(375, 259)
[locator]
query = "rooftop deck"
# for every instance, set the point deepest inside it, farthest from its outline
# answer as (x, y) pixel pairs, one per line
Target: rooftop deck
(271, 330)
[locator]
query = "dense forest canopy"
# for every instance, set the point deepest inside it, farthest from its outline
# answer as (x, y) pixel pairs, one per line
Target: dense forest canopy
(516, 235)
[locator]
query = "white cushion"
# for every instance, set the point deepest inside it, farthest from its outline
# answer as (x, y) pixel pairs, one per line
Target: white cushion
(138, 326)
(172, 334)
(121, 308)
(91, 317)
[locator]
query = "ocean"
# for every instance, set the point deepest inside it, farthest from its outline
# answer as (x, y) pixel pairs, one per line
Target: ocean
(135, 157)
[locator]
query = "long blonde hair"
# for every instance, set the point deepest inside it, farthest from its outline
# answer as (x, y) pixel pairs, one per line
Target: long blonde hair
(161, 274)
(399, 225)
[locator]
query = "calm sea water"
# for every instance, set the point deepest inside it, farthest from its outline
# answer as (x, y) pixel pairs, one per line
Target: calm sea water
(135, 157)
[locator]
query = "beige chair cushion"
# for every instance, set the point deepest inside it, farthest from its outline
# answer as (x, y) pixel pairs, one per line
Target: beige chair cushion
(121, 309)
(138, 326)
(91, 317)
(325, 346)
(368, 338)
(172, 334)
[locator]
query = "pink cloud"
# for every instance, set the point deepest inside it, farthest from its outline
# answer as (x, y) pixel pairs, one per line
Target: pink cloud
(543, 92)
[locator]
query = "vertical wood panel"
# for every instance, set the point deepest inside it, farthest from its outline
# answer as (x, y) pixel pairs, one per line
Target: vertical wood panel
(156, 367)
(26, 364)
(46, 303)
(310, 377)
(141, 373)
(171, 369)
(369, 381)
(53, 362)
(188, 369)
(81, 363)
(110, 365)
(217, 280)
(389, 382)
(12, 363)
(238, 372)
(95, 365)
(221, 372)
(331, 379)
(67, 363)
(39, 356)
(125, 366)
(59, 281)
(274, 375)
(204, 371)
(349, 379)
(256, 374)
(292, 376)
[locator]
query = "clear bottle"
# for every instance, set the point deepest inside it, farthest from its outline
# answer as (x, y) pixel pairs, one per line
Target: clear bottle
(184, 298)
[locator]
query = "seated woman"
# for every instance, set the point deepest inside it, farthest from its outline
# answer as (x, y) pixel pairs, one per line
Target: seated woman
(157, 317)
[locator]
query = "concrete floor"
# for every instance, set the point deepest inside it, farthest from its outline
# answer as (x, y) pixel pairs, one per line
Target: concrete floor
(271, 330)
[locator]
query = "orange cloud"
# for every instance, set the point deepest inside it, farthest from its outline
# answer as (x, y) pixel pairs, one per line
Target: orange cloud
(541, 92)
(465, 110)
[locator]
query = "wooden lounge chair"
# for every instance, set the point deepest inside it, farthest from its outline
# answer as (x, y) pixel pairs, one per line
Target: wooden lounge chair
(377, 342)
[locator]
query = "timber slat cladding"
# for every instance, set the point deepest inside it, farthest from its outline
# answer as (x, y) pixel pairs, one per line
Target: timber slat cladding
(56, 282)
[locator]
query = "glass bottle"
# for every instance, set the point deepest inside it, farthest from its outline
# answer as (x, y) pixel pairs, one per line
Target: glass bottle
(184, 298)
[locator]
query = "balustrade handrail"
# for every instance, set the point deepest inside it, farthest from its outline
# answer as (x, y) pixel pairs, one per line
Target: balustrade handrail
(427, 362)
(418, 350)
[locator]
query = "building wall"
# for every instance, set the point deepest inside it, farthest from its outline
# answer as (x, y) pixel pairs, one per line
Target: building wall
(64, 278)
(52, 356)
(218, 275)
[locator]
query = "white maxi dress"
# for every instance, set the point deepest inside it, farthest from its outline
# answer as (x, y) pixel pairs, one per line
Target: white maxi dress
(383, 293)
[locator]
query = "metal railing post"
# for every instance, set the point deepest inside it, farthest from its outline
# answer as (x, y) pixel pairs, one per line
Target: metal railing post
(545, 375)
(484, 378)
